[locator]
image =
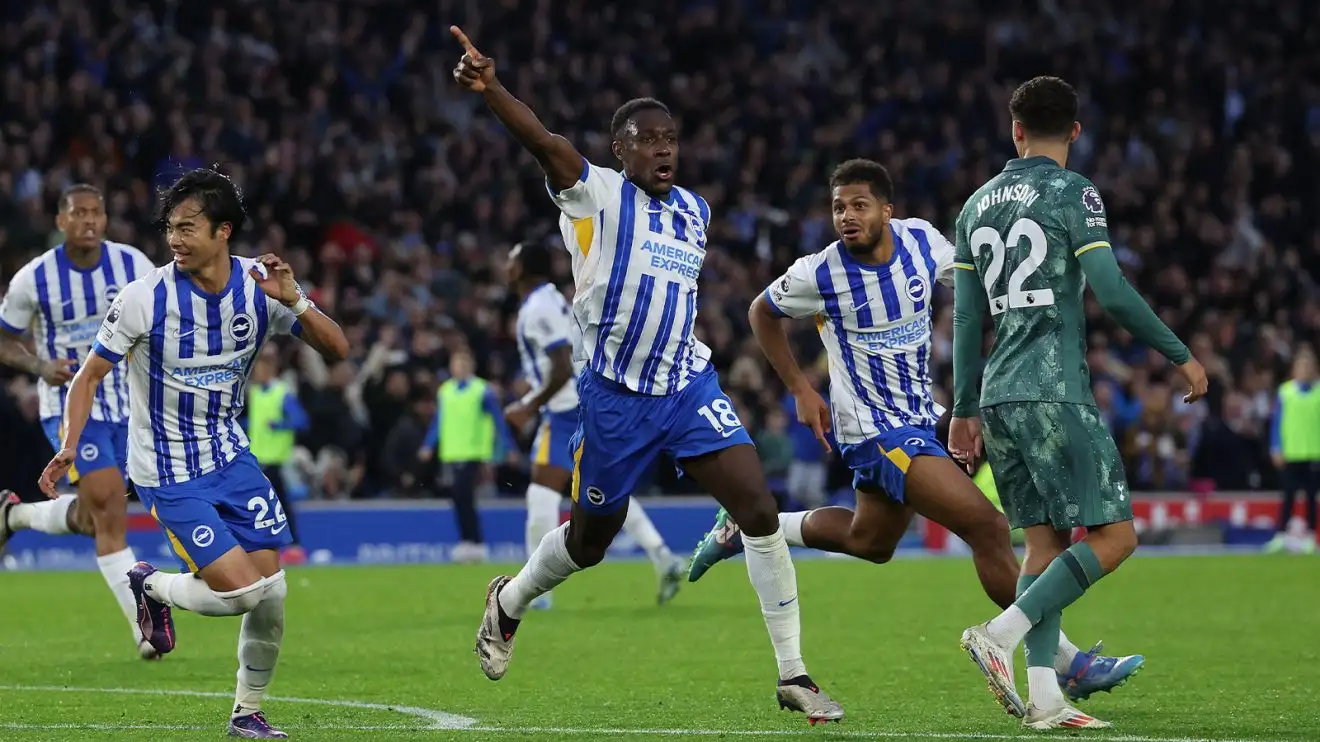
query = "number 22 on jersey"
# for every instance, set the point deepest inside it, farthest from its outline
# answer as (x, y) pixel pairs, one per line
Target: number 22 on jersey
(1016, 297)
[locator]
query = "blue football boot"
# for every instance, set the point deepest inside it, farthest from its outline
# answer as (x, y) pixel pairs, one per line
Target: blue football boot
(1092, 672)
(723, 541)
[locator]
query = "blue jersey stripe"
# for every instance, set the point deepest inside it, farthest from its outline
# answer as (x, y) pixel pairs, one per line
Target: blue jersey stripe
(825, 285)
(130, 267)
(905, 383)
(680, 221)
(653, 213)
(893, 309)
(927, 256)
(682, 356)
(923, 377)
(531, 355)
(62, 269)
(857, 291)
(89, 293)
(40, 278)
(259, 336)
(910, 274)
(156, 385)
(636, 325)
(657, 352)
(116, 380)
(618, 272)
(215, 330)
(192, 457)
(187, 331)
(213, 403)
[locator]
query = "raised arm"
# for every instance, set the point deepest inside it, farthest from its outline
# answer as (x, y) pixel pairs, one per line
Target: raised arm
(294, 313)
(562, 163)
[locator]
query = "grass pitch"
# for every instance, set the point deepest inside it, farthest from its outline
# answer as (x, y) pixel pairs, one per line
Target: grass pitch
(386, 653)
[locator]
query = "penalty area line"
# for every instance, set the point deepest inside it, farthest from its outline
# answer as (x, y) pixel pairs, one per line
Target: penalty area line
(433, 720)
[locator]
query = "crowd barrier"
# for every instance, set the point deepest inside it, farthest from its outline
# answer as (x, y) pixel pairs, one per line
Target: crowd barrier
(405, 532)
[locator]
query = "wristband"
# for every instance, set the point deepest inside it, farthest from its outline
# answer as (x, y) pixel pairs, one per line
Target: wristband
(300, 306)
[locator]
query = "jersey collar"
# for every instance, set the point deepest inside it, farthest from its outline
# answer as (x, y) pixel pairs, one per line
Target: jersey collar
(183, 281)
(534, 292)
(1022, 163)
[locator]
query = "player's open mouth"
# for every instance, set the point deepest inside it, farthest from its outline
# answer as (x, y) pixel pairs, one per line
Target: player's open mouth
(851, 233)
(664, 172)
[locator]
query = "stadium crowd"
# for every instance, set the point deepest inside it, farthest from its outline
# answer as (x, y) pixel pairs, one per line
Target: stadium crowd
(396, 197)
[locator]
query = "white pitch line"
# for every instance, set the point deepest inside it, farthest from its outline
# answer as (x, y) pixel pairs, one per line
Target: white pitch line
(434, 719)
(443, 721)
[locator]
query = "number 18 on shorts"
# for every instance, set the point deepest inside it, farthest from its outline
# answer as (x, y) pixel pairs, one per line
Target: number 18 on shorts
(205, 517)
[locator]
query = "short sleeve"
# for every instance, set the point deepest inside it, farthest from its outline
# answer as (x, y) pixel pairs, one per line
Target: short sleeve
(142, 263)
(1085, 219)
(126, 322)
(941, 250)
(281, 320)
(19, 306)
(595, 189)
(549, 329)
(795, 294)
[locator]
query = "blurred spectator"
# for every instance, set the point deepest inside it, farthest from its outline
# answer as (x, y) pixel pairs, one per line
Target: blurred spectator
(1295, 445)
(394, 195)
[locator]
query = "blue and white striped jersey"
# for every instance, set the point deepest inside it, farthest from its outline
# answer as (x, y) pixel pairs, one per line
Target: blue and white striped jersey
(875, 323)
(189, 357)
(636, 260)
(63, 306)
(545, 323)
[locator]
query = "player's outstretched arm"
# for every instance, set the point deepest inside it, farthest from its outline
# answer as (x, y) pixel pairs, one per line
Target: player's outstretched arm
(559, 159)
(77, 408)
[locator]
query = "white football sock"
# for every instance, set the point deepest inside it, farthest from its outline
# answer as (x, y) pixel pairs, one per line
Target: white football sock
(548, 566)
(771, 571)
(259, 646)
(114, 568)
(1067, 652)
(791, 525)
(192, 594)
(542, 514)
(51, 516)
(1008, 628)
(1043, 685)
(638, 525)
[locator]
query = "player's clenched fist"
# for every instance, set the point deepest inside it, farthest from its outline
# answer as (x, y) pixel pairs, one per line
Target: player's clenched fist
(475, 70)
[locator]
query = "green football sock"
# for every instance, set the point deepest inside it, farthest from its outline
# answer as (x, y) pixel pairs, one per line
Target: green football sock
(1066, 579)
(1042, 642)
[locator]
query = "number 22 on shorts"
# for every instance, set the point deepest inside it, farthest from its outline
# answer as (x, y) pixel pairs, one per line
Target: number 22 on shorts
(1017, 297)
(721, 416)
(260, 521)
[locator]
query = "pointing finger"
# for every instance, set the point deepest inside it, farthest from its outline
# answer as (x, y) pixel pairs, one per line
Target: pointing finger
(467, 43)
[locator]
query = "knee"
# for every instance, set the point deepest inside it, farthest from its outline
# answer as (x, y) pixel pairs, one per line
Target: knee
(758, 518)
(586, 555)
(987, 528)
(871, 549)
(245, 599)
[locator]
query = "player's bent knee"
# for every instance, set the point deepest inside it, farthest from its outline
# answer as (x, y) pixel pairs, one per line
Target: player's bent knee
(244, 599)
(872, 551)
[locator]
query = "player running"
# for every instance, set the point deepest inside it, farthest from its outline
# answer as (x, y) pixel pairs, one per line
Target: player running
(1028, 243)
(191, 331)
(546, 337)
(62, 296)
(870, 293)
(638, 243)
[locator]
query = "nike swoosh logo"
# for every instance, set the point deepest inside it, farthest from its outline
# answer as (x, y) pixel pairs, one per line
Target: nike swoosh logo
(728, 433)
(179, 334)
(857, 306)
(783, 603)
(278, 531)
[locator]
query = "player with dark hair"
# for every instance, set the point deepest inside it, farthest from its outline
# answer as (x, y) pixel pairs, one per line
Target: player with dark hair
(546, 337)
(638, 243)
(871, 293)
(62, 297)
(190, 332)
(1028, 242)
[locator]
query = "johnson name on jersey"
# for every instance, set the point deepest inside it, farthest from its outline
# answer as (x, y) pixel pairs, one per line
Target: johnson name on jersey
(875, 323)
(63, 306)
(636, 260)
(189, 357)
(545, 324)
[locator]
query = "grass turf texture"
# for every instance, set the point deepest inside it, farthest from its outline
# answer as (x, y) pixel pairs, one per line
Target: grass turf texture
(1230, 645)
